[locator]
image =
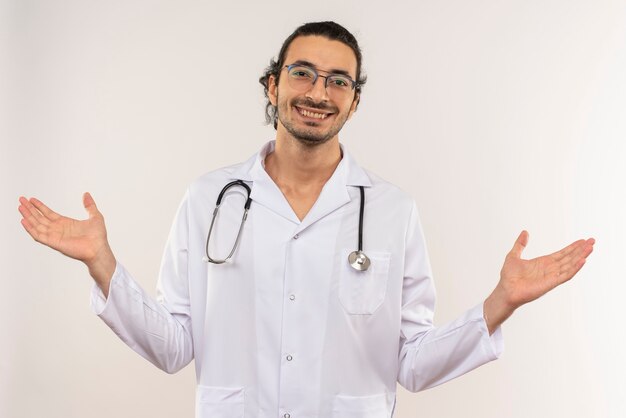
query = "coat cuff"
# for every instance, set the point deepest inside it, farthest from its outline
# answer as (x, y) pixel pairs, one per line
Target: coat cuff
(493, 344)
(98, 301)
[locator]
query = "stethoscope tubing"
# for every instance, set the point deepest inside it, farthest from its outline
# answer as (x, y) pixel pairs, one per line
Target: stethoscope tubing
(357, 259)
(243, 220)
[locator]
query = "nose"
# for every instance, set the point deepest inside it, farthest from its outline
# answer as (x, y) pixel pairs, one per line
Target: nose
(318, 92)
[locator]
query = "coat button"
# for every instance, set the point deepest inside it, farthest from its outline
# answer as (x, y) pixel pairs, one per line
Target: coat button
(292, 297)
(296, 236)
(289, 358)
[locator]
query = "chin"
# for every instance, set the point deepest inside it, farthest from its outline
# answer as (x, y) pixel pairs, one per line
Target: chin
(309, 133)
(311, 140)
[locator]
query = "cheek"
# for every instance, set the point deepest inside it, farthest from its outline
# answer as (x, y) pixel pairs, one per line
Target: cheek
(353, 107)
(284, 101)
(280, 101)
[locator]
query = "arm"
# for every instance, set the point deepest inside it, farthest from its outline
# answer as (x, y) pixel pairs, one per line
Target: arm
(429, 355)
(432, 355)
(158, 331)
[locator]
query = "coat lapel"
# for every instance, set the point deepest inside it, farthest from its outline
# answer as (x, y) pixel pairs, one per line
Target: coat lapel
(334, 195)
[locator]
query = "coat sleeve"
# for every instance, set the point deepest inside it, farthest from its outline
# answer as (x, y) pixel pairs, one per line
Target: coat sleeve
(159, 330)
(428, 355)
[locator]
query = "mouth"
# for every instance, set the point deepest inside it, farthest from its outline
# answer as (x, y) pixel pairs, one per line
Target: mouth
(315, 114)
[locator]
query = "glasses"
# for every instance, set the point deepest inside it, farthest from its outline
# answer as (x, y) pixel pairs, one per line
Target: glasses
(302, 78)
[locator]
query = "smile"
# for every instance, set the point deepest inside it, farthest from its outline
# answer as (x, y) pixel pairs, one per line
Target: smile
(311, 114)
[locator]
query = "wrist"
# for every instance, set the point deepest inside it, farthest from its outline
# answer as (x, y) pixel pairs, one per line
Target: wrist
(496, 310)
(101, 268)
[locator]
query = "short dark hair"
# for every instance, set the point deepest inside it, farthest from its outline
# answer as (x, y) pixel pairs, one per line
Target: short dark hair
(330, 30)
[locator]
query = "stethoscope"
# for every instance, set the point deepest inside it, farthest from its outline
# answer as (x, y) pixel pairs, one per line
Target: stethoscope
(357, 259)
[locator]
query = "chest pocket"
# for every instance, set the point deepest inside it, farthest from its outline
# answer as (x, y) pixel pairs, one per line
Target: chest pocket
(374, 406)
(218, 402)
(362, 292)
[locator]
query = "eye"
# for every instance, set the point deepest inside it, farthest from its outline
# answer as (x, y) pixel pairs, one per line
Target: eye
(339, 82)
(299, 72)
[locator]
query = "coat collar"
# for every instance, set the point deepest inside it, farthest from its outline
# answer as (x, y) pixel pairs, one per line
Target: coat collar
(334, 195)
(250, 169)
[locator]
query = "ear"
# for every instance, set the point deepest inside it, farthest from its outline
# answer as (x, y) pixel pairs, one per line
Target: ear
(272, 90)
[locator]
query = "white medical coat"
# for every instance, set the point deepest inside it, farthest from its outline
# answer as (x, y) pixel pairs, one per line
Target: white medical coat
(287, 328)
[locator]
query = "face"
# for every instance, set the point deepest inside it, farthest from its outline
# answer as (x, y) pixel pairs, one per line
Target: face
(312, 116)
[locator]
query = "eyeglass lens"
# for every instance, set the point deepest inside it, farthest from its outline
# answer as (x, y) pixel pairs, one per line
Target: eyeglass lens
(302, 77)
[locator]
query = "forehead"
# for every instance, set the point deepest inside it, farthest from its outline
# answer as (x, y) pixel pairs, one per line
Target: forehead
(324, 53)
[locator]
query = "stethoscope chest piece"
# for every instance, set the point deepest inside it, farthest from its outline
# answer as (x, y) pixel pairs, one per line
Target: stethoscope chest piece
(358, 260)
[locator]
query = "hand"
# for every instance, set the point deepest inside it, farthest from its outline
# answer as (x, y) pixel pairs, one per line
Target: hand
(82, 240)
(522, 281)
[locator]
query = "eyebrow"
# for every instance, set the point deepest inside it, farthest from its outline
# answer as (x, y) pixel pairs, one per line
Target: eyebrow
(331, 71)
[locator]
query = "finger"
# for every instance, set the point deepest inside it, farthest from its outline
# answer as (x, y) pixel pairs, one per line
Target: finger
(571, 264)
(90, 204)
(29, 228)
(29, 211)
(520, 244)
(571, 271)
(45, 210)
(33, 221)
(582, 251)
(572, 250)
(567, 251)
(40, 224)
(34, 230)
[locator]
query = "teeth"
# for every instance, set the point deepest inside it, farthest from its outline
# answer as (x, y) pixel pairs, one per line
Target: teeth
(313, 114)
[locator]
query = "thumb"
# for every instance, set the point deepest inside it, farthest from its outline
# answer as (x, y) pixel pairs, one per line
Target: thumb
(90, 204)
(519, 245)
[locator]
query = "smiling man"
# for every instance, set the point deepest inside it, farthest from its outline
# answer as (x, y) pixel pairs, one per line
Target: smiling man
(320, 299)
(322, 107)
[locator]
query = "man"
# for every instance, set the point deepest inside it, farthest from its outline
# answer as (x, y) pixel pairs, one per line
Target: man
(295, 323)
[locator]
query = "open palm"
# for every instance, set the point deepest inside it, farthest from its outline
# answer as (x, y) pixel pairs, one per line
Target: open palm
(525, 280)
(79, 239)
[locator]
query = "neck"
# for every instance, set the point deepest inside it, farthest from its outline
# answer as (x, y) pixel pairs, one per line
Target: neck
(294, 164)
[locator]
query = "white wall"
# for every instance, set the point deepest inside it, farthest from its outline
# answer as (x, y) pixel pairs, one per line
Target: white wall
(496, 115)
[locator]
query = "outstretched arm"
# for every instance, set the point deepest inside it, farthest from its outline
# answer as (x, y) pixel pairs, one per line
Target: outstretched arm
(160, 331)
(430, 355)
(522, 281)
(84, 240)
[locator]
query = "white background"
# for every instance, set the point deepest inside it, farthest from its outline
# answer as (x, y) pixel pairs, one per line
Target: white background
(495, 115)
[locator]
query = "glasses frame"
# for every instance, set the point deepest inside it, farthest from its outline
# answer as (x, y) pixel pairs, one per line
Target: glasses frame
(353, 86)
